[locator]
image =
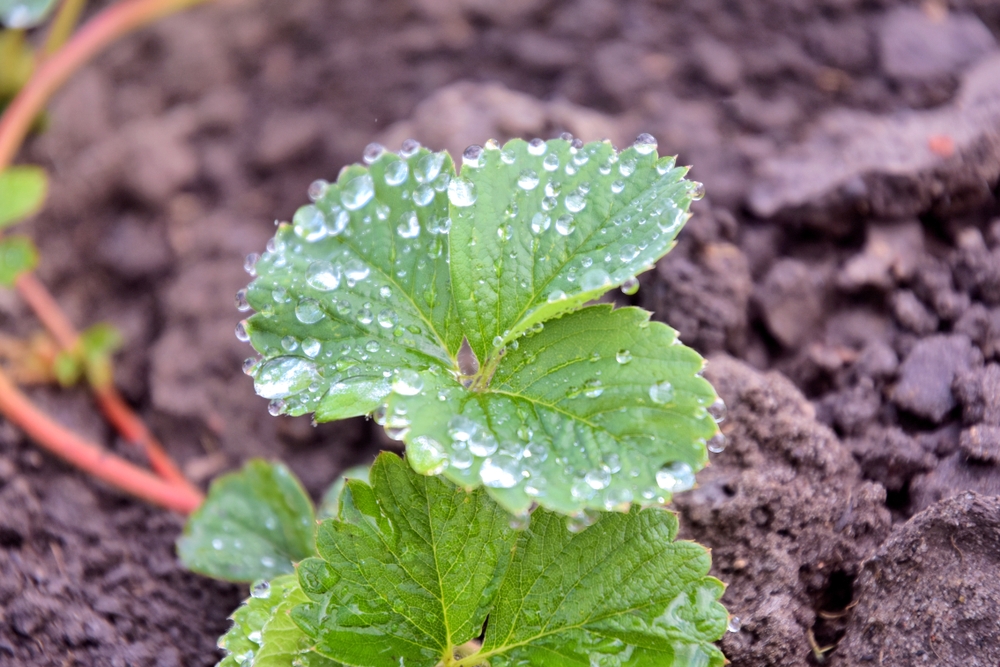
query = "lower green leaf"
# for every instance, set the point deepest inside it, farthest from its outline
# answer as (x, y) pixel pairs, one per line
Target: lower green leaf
(263, 633)
(414, 567)
(255, 524)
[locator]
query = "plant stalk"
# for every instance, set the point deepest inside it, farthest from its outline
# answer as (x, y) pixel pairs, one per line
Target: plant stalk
(91, 458)
(111, 403)
(107, 26)
(62, 25)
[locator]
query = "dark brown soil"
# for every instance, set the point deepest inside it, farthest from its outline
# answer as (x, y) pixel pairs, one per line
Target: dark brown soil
(849, 246)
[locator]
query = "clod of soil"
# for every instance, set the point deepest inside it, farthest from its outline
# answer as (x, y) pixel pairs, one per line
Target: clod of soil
(787, 515)
(931, 595)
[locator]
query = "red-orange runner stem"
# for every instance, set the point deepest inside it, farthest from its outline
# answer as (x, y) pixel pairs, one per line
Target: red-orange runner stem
(91, 458)
(117, 20)
(114, 407)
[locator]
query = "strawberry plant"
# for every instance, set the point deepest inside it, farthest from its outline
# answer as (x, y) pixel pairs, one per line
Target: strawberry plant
(543, 433)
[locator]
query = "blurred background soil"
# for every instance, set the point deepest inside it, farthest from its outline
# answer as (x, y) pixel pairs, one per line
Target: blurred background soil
(843, 276)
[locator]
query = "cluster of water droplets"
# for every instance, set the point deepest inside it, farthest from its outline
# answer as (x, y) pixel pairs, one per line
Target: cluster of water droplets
(551, 173)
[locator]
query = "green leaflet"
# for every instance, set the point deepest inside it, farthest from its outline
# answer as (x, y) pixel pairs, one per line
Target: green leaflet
(263, 631)
(330, 504)
(22, 193)
(363, 303)
(413, 566)
(17, 255)
(24, 13)
(254, 524)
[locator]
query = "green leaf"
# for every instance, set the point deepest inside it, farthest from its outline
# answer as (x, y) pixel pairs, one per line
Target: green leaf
(330, 503)
(255, 524)
(67, 368)
(581, 415)
(24, 13)
(414, 566)
(97, 344)
(22, 193)
(264, 633)
(17, 255)
(364, 302)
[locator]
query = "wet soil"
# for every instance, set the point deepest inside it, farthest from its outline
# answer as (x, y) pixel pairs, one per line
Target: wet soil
(843, 275)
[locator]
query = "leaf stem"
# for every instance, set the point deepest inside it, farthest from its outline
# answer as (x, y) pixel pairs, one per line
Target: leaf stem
(111, 403)
(62, 25)
(90, 457)
(117, 20)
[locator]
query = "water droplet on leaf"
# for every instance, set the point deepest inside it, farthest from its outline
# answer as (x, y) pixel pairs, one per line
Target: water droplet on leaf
(357, 192)
(662, 392)
(462, 192)
(323, 276)
(675, 477)
(645, 144)
(407, 382)
(308, 311)
(528, 180)
(426, 455)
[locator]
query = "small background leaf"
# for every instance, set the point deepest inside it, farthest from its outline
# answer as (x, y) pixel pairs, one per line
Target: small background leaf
(22, 193)
(254, 524)
(24, 13)
(330, 504)
(17, 255)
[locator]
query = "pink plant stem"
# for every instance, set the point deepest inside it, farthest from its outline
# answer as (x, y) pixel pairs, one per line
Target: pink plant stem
(117, 20)
(91, 458)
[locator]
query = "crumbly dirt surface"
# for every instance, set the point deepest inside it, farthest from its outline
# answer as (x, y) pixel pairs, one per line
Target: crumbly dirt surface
(843, 275)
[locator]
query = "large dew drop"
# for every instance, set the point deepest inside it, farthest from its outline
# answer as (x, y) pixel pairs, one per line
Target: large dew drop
(500, 472)
(357, 192)
(409, 148)
(645, 144)
(462, 192)
(482, 443)
(565, 225)
(373, 151)
(355, 271)
(309, 223)
(282, 377)
(540, 222)
(308, 311)
(323, 276)
(461, 429)
(575, 202)
(426, 455)
(317, 189)
(409, 225)
(396, 172)
(675, 477)
(472, 156)
(662, 392)
(528, 180)
(428, 167)
(407, 382)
